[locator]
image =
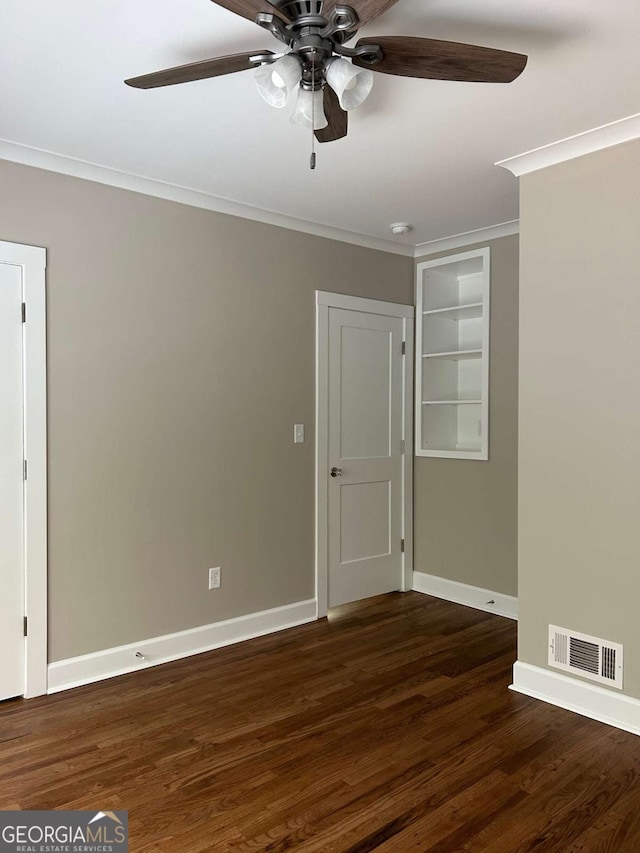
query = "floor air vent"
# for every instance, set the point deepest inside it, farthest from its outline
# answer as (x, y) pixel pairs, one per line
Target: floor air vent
(587, 656)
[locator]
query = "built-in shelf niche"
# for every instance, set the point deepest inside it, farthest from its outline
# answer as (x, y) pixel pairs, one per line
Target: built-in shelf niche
(452, 356)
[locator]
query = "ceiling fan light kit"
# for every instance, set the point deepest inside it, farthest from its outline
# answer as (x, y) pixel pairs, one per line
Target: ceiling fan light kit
(352, 85)
(309, 111)
(315, 33)
(276, 81)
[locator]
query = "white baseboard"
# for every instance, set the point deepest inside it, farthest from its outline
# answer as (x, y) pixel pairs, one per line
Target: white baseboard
(462, 593)
(108, 663)
(589, 700)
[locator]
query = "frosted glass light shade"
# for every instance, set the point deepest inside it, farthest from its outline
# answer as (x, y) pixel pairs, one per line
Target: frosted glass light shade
(277, 80)
(351, 84)
(303, 111)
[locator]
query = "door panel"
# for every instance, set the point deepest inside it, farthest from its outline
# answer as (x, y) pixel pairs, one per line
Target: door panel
(364, 521)
(11, 484)
(365, 434)
(364, 393)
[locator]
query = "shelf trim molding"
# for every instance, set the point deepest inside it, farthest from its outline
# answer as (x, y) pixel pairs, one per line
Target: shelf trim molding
(451, 402)
(469, 352)
(573, 694)
(588, 142)
(471, 596)
(453, 308)
(456, 454)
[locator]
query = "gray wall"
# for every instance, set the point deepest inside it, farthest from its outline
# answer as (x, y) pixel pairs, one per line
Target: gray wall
(579, 506)
(180, 354)
(466, 511)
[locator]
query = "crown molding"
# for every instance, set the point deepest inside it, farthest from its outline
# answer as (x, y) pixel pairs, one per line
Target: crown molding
(605, 136)
(52, 162)
(480, 235)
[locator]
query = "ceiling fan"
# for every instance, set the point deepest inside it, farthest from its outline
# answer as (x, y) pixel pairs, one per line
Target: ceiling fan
(316, 62)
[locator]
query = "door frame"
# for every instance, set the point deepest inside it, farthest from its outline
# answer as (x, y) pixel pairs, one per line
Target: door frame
(324, 301)
(33, 261)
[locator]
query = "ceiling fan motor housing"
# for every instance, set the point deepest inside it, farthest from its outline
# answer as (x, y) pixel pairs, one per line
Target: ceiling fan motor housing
(294, 9)
(313, 52)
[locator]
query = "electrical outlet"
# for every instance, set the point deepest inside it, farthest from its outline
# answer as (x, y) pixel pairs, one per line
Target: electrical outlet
(214, 578)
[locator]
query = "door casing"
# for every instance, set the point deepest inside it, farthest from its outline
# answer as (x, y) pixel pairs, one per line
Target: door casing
(32, 260)
(324, 301)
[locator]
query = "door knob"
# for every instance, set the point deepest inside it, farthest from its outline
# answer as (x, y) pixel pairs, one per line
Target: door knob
(336, 472)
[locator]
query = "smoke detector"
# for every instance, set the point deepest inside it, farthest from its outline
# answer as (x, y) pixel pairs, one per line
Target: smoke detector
(400, 227)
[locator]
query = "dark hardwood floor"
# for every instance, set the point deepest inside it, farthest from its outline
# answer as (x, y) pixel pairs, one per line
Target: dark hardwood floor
(388, 727)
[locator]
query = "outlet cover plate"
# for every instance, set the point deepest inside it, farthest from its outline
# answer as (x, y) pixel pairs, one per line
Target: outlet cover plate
(214, 578)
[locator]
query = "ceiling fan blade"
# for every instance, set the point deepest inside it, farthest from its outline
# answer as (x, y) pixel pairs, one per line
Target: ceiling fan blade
(252, 8)
(336, 116)
(366, 10)
(196, 71)
(433, 59)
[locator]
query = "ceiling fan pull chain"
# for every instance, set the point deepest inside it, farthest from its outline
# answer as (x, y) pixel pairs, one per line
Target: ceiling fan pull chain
(312, 159)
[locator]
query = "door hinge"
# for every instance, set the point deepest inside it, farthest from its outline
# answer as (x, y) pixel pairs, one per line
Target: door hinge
(25, 626)
(24, 468)
(24, 312)
(402, 546)
(404, 347)
(403, 446)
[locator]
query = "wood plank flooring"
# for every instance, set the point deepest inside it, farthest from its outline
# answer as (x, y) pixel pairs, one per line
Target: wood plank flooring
(388, 727)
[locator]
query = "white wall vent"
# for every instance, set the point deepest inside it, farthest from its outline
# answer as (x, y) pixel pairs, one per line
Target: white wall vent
(587, 656)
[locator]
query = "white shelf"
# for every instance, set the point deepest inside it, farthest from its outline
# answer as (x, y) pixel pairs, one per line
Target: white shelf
(451, 402)
(473, 311)
(457, 451)
(455, 355)
(452, 356)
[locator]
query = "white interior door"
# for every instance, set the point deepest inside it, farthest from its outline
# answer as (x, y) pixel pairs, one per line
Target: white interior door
(365, 454)
(11, 484)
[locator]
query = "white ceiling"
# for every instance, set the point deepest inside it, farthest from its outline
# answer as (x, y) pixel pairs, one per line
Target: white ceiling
(420, 151)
